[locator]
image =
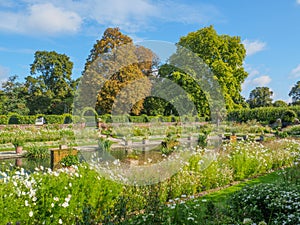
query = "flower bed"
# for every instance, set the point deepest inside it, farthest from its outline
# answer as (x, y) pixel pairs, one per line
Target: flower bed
(83, 196)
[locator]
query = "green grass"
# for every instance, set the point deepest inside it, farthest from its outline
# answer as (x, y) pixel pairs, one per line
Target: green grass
(223, 194)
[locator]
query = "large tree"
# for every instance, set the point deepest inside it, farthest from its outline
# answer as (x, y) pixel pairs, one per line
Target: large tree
(50, 86)
(224, 55)
(13, 97)
(260, 97)
(295, 93)
(115, 75)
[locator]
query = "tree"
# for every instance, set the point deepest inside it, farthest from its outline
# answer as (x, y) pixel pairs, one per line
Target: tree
(260, 97)
(224, 55)
(13, 97)
(295, 93)
(280, 103)
(115, 73)
(51, 88)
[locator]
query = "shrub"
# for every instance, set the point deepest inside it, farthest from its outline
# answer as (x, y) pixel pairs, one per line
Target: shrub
(37, 152)
(277, 204)
(3, 119)
(288, 116)
(69, 160)
(264, 114)
(54, 119)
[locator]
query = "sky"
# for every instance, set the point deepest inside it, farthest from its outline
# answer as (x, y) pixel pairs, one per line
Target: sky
(269, 30)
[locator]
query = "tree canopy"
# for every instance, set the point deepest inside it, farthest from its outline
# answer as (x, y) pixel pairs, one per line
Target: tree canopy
(224, 55)
(295, 93)
(260, 97)
(113, 71)
(50, 87)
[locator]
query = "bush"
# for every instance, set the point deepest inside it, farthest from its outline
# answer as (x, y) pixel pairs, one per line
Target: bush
(264, 114)
(54, 119)
(69, 160)
(27, 119)
(3, 119)
(288, 117)
(37, 152)
(276, 204)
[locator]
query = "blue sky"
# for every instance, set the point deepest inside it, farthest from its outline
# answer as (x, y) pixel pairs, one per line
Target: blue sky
(269, 29)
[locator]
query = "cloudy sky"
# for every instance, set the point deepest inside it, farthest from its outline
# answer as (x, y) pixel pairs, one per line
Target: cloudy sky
(269, 30)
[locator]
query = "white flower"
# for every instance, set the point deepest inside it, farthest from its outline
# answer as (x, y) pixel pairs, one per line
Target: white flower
(56, 199)
(30, 214)
(52, 204)
(26, 203)
(60, 221)
(65, 204)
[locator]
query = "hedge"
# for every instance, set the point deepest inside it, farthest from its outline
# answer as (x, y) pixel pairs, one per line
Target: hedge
(14, 118)
(263, 114)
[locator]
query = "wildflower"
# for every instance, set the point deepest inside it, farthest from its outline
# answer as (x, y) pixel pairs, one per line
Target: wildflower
(52, 204)
(65, 204)
(26, 203)
(60, 221)
(30, 214)
(56, 199)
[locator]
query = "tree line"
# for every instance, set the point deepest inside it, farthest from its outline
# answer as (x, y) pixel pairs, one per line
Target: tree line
(51, 89)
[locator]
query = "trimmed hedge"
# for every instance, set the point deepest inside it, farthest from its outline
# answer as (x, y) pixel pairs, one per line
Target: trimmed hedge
(107, 118)
(263, 114)
(30, 119)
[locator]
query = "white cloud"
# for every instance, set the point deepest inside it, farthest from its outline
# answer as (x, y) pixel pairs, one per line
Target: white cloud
(262, 80)
(296, 71)
(40, 19)
(298, 2)
(253, 47)
(58, 16)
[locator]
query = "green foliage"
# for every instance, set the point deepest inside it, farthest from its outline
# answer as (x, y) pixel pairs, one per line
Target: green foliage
(18, 141)
(264, 114)
(276, 204)
(295, 92)
(4, 119)
(52, 89)
(104, 144)
(280, 103)
(202, 140)
(80, 196)
(54, 119)
(260, 97)
(288, 116)
(37, 152)
(69, 160)
(224, 55)
(13, 97)
(293, 130)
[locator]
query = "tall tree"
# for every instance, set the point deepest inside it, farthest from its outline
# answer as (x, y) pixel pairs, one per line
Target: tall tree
(260, 97)
(295, 93)
(13, 97)
(224, 55)
(51, 88)
(112, 73)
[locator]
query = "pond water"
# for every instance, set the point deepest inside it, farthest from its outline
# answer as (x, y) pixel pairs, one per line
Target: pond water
(140, 156)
